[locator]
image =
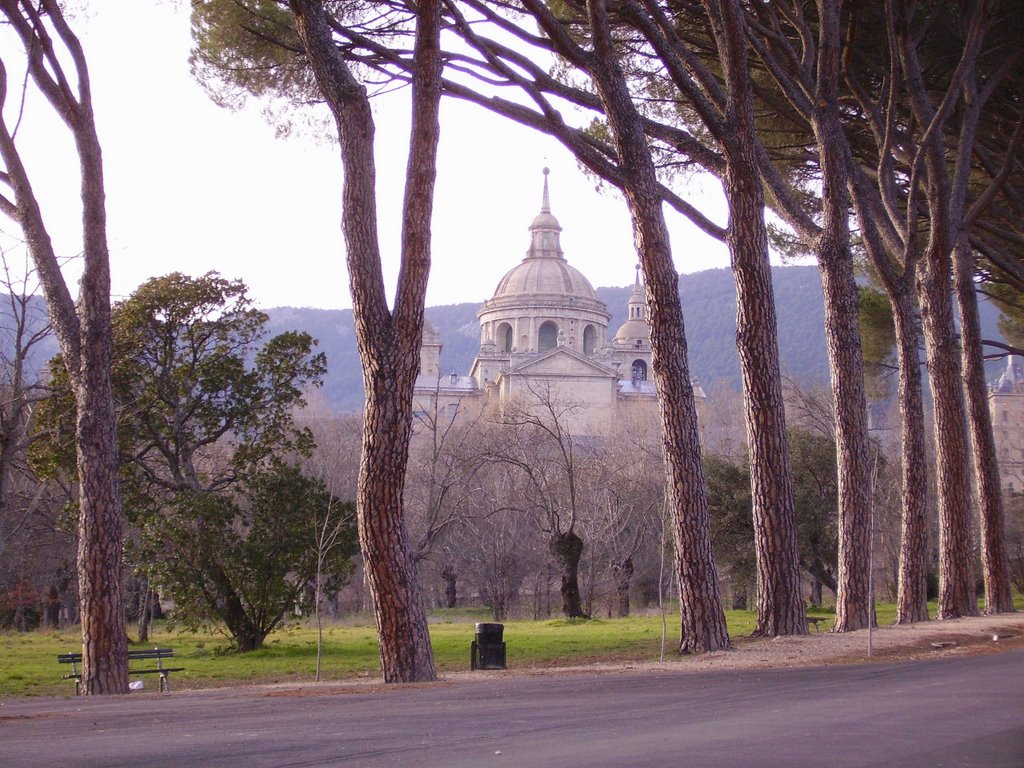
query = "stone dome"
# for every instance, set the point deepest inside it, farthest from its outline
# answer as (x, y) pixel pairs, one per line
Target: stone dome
(543, 303)
(545, 276)
(632, 330)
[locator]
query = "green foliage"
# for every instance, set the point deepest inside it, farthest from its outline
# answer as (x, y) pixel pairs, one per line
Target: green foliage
(244, 48)
(204, 423)
(816, 501)
(248, 560)
(1011, 311)
(878, 341)
(200, 400)
(732, 527)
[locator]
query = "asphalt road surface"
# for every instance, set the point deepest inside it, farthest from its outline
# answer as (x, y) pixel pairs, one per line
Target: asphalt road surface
(957, 711)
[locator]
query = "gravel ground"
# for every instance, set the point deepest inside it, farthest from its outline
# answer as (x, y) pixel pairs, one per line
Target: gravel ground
(977, 634)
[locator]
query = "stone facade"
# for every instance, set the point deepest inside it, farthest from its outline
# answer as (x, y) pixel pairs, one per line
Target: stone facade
(544, 334)
(1006, 404)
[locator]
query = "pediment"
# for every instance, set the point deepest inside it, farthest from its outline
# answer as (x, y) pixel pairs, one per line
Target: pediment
(561, 361)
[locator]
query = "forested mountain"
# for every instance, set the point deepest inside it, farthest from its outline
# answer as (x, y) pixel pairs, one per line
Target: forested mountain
(709, 306)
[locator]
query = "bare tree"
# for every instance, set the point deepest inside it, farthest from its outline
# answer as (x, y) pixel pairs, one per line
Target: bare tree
(440, 479)
(24, 328)
(533, 435)
(497, 550)
(329, 527)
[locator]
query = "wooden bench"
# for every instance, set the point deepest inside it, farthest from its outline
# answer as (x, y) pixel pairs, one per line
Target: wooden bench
(74, 659)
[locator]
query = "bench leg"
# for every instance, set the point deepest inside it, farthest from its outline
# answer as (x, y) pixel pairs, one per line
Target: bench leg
(165, 684)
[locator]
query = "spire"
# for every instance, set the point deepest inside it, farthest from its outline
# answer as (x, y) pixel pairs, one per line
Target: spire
(1013, 376)
(637, 303)
(545, 229)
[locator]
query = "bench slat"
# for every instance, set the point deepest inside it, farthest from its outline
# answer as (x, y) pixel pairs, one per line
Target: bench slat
(154, 653)
(159, 653)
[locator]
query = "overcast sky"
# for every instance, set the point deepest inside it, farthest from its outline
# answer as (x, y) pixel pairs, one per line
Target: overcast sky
(192, 187)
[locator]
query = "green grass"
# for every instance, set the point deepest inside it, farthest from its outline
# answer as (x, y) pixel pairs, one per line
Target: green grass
(28, 663)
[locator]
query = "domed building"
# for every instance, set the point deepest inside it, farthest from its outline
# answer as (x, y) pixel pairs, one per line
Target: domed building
(544, 333)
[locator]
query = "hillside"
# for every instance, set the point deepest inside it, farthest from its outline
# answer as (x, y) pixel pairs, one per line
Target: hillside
(709, 308)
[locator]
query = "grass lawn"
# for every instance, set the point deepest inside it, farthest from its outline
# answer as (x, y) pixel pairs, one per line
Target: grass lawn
(28, 665)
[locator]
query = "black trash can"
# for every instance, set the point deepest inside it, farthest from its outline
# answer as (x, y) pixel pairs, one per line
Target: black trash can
(487, 650)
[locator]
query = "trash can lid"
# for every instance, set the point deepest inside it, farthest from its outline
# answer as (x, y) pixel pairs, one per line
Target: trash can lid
(484, 627)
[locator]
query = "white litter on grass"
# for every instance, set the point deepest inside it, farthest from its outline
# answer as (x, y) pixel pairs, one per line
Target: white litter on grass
(135, 685)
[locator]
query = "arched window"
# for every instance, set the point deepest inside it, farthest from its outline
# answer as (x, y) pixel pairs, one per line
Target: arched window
(639, 370)
(504, 338)
(547, 336)
(589, 340)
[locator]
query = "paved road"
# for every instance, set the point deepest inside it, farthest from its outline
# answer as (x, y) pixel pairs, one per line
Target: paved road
(946, 712)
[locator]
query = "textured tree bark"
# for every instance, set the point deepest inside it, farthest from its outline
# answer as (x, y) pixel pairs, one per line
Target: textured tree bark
(995, 573)
(956, 571)
(702, 618)
(780, 606)
(945, 215)
(854, 606)
(912, 581)
(567, 549)
(388, 343)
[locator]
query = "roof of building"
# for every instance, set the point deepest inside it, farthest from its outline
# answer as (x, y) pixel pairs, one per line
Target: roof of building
(544, 271)
(636, 326)
(1012, 379)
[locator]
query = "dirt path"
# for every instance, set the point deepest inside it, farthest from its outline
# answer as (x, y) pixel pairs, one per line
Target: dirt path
(979, 634)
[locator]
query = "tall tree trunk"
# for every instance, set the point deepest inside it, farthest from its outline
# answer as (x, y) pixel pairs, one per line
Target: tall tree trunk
(702, 617)
(956, 571)
(567, 549)
(100, 520)
(779, 602)
(406, 654)
(83, 331)
(388, 343)
(998, 597)
(854, 607)
(912, 583)
(780, 607)
(945, 206)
